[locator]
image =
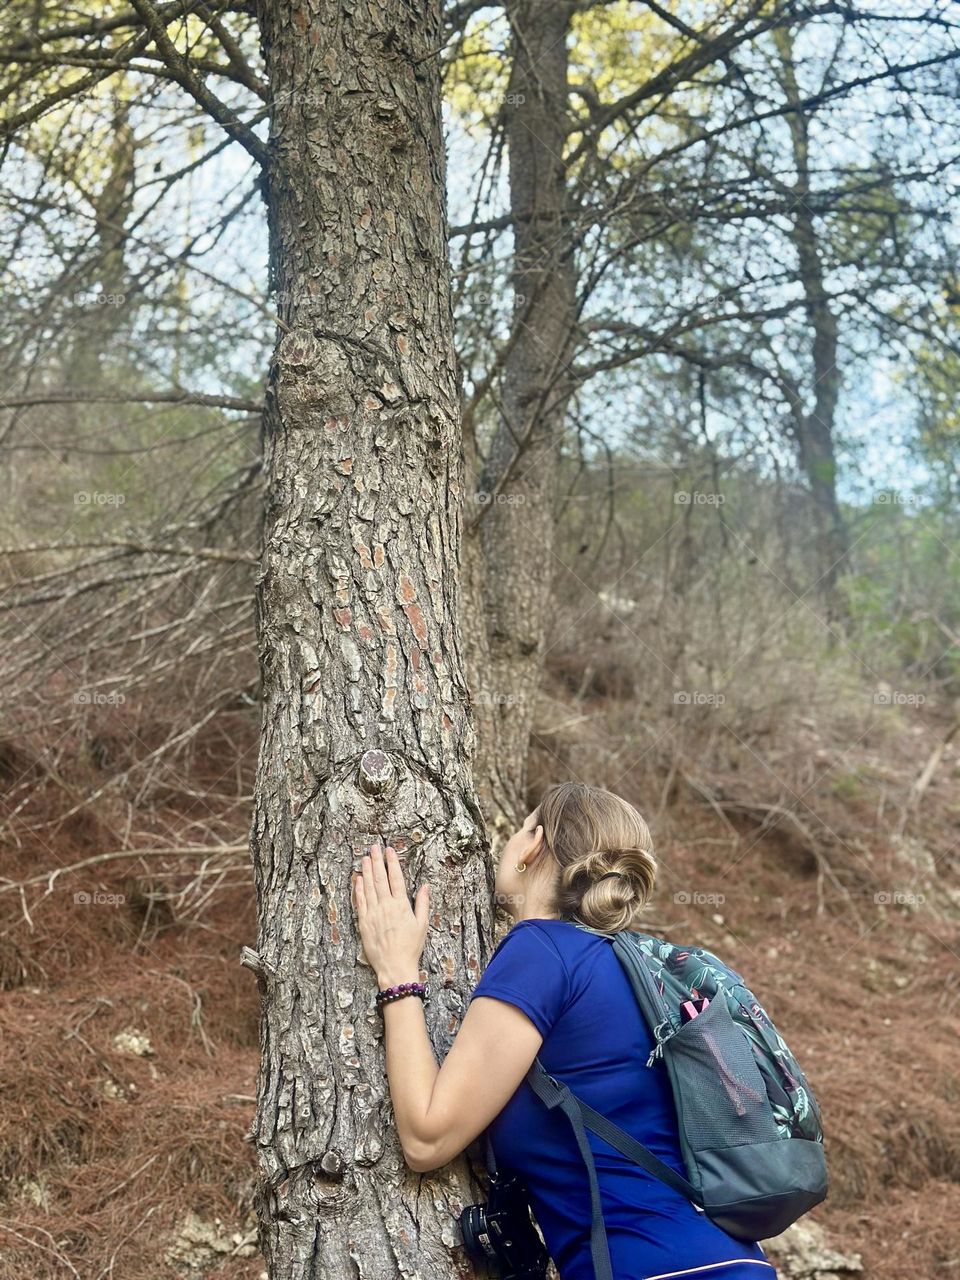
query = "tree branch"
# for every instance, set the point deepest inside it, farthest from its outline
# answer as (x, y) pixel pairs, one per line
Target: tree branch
(183, 73)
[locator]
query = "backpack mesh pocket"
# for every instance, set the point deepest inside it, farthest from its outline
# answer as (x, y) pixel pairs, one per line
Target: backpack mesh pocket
(723, 1100)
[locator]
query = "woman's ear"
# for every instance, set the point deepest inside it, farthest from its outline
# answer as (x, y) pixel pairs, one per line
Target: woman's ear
(537, 838)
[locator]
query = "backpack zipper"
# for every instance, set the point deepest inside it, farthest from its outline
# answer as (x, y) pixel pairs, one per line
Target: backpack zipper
(664, 1029)
(657, 1050)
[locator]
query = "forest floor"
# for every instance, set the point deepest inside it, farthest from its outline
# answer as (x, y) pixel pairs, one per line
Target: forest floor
(129, 1047)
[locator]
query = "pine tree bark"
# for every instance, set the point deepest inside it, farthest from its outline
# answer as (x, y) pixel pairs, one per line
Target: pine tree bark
(366, 732)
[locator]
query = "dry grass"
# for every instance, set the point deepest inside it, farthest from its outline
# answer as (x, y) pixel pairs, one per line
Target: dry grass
(776, 812)
(128, 1044)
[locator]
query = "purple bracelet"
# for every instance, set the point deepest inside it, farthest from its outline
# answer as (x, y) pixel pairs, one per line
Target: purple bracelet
(404, 989)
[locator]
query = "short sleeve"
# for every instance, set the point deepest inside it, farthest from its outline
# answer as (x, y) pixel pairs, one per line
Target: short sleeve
(527, 970)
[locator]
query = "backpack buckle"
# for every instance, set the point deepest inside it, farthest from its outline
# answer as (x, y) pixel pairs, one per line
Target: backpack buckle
(557, 1099)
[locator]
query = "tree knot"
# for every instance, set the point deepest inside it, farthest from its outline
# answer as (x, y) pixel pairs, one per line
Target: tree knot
(377, 773)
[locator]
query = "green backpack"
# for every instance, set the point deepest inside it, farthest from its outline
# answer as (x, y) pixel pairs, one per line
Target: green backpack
(749, 1124)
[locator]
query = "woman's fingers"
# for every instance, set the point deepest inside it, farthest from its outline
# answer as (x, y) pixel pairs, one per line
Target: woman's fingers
(380, 872)
(398, 886)
(369, 886)
(382, 878)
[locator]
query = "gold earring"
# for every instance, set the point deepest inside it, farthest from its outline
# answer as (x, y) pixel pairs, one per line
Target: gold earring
(521, 866)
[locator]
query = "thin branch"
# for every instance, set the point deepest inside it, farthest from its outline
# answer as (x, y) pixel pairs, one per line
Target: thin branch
(67, 395)
(183, 851)
(141, 548)
(183, 73)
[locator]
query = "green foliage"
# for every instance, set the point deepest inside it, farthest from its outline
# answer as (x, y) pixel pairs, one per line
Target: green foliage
(934, 380)
(903, 599)
(613, 50)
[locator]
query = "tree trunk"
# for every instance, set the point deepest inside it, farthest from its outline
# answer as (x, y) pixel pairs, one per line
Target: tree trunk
(814, 430)
(366, 730)
(516, 500)
(101, 303)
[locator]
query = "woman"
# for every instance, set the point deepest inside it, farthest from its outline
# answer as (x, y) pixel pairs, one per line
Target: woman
(583, 857)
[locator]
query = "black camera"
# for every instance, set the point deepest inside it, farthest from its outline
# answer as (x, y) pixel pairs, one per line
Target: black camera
(500, 1235)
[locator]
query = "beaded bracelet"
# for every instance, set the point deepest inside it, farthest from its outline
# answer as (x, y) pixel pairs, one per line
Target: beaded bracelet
(404, 989)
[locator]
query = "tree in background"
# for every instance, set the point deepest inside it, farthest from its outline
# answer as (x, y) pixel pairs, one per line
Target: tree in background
(514, 501)
(687, 184)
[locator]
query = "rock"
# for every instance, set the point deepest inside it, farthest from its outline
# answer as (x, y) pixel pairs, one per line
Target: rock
(914, 853)
(33, 1190)
(929, 892)
(201, 1245)
(132, 1041)
(802, 1253)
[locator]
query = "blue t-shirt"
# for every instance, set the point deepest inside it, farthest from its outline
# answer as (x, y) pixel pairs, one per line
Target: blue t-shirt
(574, 990)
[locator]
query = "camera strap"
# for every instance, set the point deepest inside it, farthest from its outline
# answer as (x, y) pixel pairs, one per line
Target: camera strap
(488, 1154)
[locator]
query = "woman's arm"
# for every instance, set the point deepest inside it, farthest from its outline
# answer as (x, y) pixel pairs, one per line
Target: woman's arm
(438, 1112)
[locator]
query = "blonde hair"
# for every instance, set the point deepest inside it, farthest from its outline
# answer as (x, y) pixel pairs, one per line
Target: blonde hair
(593, 834)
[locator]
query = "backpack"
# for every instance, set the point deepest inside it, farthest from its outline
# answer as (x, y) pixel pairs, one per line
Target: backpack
(749, 1124)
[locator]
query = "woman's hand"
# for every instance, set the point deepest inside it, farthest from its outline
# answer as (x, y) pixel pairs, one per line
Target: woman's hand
(392, 933)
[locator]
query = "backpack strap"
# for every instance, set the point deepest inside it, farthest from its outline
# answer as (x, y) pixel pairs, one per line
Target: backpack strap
(553, 1093)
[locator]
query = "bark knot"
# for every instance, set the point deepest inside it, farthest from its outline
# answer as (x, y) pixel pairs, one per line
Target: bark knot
(377, 773)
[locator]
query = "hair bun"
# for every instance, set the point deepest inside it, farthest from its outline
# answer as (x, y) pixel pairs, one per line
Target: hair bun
(608, 888)
(604, 854)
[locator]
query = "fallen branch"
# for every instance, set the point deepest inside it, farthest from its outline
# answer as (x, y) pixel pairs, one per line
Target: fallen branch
(925, 777)
(771, 814)
(142, 548)
(67, 396)
(188, 851)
